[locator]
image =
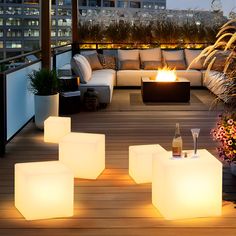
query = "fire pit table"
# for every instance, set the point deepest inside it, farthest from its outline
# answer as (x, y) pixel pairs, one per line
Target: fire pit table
(173, 91)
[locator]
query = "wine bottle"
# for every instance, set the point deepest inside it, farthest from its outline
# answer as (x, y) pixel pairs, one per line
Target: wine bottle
(177, 143)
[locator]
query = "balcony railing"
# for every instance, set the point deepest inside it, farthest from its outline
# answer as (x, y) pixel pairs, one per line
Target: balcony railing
(16, 100)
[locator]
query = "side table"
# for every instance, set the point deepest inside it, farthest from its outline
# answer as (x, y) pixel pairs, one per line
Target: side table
(69, 102)
(187, 187)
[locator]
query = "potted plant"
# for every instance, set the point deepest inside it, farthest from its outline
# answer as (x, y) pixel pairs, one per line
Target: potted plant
(225, 134)
(45, 86)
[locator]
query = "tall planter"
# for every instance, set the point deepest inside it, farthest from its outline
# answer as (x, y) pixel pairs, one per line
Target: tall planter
(45, 106)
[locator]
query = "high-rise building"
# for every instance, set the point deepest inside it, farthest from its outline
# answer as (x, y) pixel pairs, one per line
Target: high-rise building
(20, 25)
(20, 20)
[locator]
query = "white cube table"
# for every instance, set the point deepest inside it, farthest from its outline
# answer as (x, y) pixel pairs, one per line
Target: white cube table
(84, 153)
(44, 190)
(55, 128)
(187, 187)
(140, 161)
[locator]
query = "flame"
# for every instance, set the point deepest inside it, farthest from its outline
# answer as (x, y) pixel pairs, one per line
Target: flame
(166, 75)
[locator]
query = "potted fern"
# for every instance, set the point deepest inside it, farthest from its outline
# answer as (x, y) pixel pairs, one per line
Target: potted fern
(45, 86)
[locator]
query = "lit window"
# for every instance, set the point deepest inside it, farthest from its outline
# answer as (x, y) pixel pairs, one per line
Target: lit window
(1, 11)
(13, 21)
(1, 44)
(53, 33)
(147, 5)
(31, 11)
(31, 33)
(13, 44)
(135, 4)
(12, 33)
(64, 2)
(123, 4)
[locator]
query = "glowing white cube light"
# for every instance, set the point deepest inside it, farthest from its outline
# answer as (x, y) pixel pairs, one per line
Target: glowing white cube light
(187, 187)
(55, 128)
(44, 190)
(140, 161)
(84, 153)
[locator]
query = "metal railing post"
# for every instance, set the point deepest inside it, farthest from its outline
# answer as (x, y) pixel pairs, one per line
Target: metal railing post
(2, 114)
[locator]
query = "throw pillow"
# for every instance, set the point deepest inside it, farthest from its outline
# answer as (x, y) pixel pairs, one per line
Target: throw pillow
(81, 68)
(151, 65)
(177, 65)
(190, 55)
(129, 65)
(94, 61)
(173, 55)
(124, 55)
(107, 61)
(153, 54)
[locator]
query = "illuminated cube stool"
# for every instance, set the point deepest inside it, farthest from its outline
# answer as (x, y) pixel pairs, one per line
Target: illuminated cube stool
(84, 153)
(55, 128)
(187, 187)
(140, 161)
(44, 190)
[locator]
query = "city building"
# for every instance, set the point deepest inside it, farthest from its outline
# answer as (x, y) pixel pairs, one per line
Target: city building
(20, 25)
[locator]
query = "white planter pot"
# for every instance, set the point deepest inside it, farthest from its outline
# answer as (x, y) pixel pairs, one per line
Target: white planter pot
(233, 168)
(45, 106)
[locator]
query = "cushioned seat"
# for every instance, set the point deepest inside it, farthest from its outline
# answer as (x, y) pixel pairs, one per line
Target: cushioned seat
(194, 76)
(133, 77)
(103, 82)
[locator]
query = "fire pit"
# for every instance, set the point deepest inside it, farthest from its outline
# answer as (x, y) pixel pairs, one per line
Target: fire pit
(166, 87)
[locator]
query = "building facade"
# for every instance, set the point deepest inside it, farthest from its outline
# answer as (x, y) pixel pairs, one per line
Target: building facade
(20, 20)
(20, 25)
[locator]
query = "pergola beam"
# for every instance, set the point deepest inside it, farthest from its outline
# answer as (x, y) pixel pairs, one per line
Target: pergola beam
(46, 33)
(75, 33)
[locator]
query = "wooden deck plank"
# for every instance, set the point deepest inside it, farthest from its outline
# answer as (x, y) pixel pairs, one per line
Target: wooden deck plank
(113, 204)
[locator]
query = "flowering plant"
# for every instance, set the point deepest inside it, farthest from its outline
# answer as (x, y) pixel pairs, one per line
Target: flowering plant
(225, 134)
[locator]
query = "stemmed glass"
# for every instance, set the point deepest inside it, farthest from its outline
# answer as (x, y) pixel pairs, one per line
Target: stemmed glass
(195, 134)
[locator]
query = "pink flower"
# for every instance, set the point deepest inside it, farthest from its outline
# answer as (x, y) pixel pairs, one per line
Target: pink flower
(221, 128)
(230, 121)
(230, 142)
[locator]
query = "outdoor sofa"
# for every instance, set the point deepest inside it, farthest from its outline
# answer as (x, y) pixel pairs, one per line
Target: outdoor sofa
(125, 68)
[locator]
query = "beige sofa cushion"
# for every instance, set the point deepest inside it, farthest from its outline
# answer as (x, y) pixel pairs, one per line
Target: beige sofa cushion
(133, 77)
(94, 61)
(81, 68)
(103, 82)
(177, 65)
(151, 65)
(190, 55)
(194, 76)
(130, 65)
(153, 54)
(124, 55)
(173, 55)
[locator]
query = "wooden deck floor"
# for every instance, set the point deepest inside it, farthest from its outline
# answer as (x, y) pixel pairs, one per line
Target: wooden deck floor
(114, 204)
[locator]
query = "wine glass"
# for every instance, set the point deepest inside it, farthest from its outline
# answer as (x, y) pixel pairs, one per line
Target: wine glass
(195, 134)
